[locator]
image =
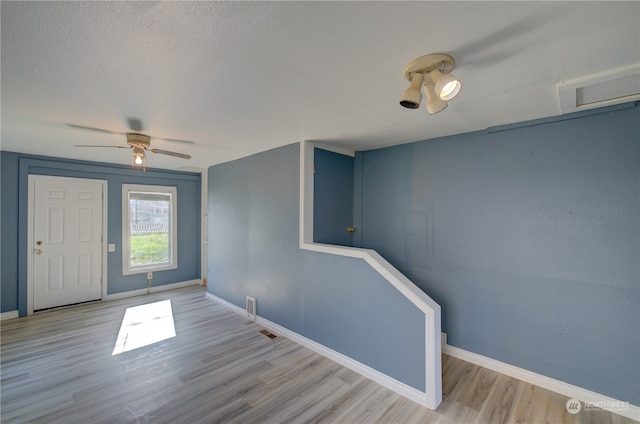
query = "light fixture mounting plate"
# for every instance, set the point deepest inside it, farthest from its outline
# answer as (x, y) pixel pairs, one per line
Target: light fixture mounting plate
(427, 63)
(138, 140)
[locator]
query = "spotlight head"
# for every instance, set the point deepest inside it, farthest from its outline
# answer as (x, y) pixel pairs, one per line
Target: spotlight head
(434, 103)
(446, 85)
(412, 96)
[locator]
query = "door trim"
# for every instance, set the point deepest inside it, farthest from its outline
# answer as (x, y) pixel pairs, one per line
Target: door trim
(32, 178)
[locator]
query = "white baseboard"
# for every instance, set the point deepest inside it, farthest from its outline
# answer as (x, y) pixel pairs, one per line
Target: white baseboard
(153, 289)
(362, 369)
(574, 392)
(9, 315)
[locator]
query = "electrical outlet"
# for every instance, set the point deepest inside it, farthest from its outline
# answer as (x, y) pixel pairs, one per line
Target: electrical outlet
(149, 275)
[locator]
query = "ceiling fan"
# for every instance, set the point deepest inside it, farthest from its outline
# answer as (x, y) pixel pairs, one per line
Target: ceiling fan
(136, 141)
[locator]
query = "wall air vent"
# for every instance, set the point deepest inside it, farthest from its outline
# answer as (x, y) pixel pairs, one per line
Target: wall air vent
(251, 308)
(609, 88)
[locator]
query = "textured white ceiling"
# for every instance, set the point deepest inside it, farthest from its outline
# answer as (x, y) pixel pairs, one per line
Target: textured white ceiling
(243, 77)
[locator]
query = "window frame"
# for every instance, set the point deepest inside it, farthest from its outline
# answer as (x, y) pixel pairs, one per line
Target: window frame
(127, 269)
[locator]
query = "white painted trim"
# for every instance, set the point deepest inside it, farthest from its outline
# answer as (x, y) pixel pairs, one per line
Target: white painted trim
(204, 193)
(431, 310)
(153, 289)
(306, 195)
(31, 179)
(30, 218)
(204, 231)
(574, 392)
(335, 149)
(362, 369)
(9, 315)
(105, 236)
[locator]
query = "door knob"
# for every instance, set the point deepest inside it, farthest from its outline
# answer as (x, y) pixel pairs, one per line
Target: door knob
(39, 242)
(39, 251)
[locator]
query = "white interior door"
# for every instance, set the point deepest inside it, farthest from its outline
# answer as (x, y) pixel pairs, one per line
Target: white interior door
(66, 240)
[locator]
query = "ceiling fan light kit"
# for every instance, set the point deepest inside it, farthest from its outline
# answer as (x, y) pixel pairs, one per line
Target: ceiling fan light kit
(139, 142)
(137, 161)
(431, 72)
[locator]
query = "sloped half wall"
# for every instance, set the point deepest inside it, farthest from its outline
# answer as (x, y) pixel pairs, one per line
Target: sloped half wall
(330, 295)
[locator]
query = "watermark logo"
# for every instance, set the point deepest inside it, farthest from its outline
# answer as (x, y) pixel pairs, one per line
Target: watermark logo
(613, 405)
(573, 406)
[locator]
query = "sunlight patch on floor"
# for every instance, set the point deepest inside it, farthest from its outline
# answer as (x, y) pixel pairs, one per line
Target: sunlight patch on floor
(145, 325)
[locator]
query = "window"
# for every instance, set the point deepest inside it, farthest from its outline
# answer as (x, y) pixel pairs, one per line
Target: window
(149, 230)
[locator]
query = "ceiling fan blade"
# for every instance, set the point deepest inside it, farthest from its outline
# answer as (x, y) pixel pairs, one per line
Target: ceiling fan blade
(175, 140)
(166, 152)
(135, 124)
(93, 145)
(82, 127)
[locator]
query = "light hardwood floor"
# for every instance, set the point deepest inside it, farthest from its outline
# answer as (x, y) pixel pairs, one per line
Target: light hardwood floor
(57, 367)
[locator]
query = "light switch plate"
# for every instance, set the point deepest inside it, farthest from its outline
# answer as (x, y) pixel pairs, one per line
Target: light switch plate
(111, 248)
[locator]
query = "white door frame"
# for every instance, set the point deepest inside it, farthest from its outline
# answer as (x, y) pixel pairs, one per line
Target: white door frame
(30, 223)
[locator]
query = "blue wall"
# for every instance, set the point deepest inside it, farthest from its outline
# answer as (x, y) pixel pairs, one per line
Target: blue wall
(336, 301)
(332, 198)
(15, 170)
(527, 236)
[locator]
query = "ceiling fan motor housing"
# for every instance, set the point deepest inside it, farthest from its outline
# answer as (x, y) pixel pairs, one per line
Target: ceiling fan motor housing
(138, 140)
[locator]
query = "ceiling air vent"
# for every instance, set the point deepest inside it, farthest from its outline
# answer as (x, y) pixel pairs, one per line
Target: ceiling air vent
(609, 88)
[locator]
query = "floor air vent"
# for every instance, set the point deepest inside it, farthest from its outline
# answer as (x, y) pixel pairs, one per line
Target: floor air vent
(268, 334)
(251, 308)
